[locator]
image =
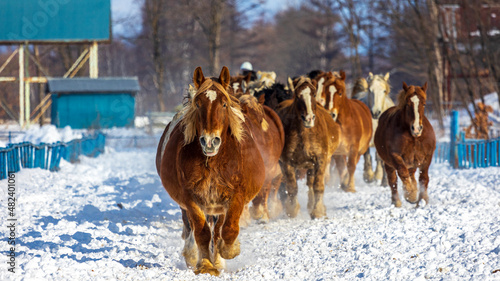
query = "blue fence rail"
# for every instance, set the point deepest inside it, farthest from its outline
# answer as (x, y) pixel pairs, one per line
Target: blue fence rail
(464, 153)
(48, 156)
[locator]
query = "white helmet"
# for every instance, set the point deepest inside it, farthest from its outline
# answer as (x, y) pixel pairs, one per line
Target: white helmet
(246, 66)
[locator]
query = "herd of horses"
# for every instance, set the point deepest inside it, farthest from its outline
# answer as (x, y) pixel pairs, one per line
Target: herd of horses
(245, 139)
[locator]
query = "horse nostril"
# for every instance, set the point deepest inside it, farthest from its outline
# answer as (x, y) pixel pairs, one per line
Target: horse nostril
(216, 141)
(203, 141)
(314, 117)
(421, 127)
(303, 117)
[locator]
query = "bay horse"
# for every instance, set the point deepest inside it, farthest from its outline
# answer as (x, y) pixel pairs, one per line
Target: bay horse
(374, 91)
(405, 141)
(355, 121)
(311, 138)
(207, 163)
(267, 131)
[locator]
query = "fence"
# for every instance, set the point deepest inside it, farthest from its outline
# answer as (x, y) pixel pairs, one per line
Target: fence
(48, 156)
(464, 153)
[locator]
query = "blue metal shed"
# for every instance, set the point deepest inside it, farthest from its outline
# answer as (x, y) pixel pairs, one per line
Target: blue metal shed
(93, 103)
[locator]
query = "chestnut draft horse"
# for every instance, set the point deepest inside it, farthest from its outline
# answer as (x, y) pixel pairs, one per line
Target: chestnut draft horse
(207, 163)
(405, 141)
(355, 121)
(267, 131)
(311, 138)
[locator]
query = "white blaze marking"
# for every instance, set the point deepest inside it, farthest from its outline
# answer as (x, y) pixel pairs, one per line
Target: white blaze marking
(415, 101)
(306, 93)
(211, 95)
(319, 98)
(332, 90)
(236, 85)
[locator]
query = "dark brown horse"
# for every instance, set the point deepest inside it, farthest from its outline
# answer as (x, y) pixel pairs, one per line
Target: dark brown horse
(405, 141)
(267, 131)
(311, 137)
(207, 163)
(355, 121)
(239, 84)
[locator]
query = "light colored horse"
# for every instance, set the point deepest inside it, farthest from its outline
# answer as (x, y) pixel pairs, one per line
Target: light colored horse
(374, 91)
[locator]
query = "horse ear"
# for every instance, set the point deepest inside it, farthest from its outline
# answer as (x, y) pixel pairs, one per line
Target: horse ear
(191, 91)
(424, 87)
(370, 75)
(244, 86)
(290, 84)
(262, 98)
(386, 77)
(342, 75)
(405, 87)
(224, 77)
(198, 77)
(273, 74)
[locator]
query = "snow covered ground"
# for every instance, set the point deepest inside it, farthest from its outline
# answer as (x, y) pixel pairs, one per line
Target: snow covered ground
(109, 218)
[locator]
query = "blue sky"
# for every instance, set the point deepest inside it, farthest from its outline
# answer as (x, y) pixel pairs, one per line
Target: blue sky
(129, 11)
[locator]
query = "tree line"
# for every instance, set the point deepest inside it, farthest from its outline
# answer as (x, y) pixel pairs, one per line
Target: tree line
(415, 40)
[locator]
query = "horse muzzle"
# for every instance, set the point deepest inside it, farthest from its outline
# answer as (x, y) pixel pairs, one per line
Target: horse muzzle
(308, 120)
(376, 114)
(417, 132)
(210, 145)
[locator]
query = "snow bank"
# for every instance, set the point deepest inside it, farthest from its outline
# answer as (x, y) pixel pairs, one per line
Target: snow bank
(47, 134)
(109, 218)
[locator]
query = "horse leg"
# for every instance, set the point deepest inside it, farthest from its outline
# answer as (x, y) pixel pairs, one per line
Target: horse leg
(318, 209)
(423, 180)
(340, 165)
(203, 237)
(229, 245)
(190, 250)
(409, 185)
(245, 218)
(393, 183)
(379, 170)
(217, 260)
(292, 206)
(351, 168)
(258, 211)
(275, 207)
(368, 175)
(310, 192)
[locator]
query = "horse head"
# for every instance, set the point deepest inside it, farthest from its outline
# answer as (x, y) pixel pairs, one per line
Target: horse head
(212, 113)
(335, 94)
(304, 89)
(378, 91)
(412, 102)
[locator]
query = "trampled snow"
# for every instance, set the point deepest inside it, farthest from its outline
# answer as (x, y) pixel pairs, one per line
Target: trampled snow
(109, 218)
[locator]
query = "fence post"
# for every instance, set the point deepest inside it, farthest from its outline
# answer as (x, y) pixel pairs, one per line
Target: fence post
(453, 139)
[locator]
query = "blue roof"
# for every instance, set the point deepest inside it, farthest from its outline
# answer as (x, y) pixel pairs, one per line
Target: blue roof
(93, 85)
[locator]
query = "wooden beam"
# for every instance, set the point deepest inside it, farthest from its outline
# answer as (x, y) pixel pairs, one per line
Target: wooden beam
(8, 60)
(81, 59)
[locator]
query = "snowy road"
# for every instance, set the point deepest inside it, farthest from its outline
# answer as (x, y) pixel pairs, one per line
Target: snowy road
(110, 219)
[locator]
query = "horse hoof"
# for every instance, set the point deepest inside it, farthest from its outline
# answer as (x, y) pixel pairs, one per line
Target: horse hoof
(205, 266)
(229, 251)
(347, 188)
(397, 203)
(411, 197)
(318, 212)
(292, 207)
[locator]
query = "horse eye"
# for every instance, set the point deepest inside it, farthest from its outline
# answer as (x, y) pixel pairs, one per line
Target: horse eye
(224, 105)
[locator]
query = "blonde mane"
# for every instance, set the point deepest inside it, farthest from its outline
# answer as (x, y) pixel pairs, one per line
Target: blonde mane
(235, 114)
(251, 102)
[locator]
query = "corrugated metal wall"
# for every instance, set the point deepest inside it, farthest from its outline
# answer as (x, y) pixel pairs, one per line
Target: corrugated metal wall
(93, 110)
